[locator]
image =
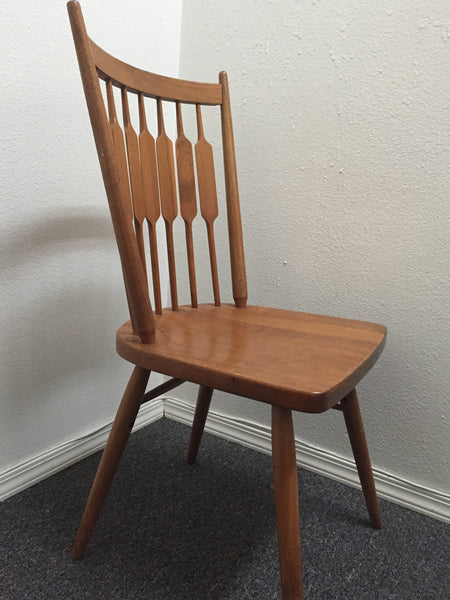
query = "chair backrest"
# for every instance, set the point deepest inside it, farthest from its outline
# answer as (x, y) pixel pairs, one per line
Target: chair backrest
(140, 175)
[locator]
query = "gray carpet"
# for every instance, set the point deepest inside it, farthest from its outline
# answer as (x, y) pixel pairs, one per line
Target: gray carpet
(174, 532)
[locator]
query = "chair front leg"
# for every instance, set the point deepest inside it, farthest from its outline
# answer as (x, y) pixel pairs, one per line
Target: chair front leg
(286, 503)
(118, 437)
(198, 425)
(355, 429)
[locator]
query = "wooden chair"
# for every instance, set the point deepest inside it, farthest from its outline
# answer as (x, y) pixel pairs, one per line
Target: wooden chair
(291, 360)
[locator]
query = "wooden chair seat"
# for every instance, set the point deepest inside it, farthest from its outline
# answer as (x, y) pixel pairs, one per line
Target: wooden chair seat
(307, 362)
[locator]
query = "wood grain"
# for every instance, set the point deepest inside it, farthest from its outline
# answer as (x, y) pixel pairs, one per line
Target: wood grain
(147, 150)
(355, 429)
(201, 412)
(118, 437)
(135, 174)
(208, 196)
(119, 150)
(134, 279)
(297, 360)
(188, 202)
(168, 194)
(151, 84)
(286, 503)
(238, 273)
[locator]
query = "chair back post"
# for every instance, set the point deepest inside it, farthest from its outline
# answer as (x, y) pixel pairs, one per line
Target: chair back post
(133, 272)
(238, 275)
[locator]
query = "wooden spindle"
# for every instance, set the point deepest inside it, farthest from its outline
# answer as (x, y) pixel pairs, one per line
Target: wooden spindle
(121, 162)
(213, 262)
(151, 196)
(134, 169)
(208, 196)
(119, 149)
(188, 205)
(167, 188)
(238, 274)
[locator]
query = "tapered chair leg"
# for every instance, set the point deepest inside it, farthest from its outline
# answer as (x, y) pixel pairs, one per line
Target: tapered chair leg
(355, 429)
(198, 425)
(118, 437)
(286, 503)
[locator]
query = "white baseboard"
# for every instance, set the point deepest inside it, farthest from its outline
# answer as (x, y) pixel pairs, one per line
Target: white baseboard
(48, 463)
(254, 435)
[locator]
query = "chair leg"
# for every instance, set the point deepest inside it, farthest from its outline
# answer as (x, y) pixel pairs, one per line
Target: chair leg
(118, 437)
(355, 429)
(286, 503)
(198, 425)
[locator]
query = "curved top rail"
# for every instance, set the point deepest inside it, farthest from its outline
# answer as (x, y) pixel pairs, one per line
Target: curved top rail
(152, 85)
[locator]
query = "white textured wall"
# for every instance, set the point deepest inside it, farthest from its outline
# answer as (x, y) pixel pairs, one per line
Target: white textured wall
(341, 114)
(60, 291)
(342, 126)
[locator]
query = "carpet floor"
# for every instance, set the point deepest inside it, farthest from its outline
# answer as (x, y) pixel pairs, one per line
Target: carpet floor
(169, 531)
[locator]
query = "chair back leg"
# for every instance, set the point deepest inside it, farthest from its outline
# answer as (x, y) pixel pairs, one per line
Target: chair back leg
(355, 429)
(198, 425)
(118, 437)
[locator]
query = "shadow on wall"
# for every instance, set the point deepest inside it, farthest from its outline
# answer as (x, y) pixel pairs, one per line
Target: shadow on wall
(58, 229)
(58, 275)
